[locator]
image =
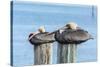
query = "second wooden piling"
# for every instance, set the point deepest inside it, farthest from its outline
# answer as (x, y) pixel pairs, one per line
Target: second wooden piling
(66, 53)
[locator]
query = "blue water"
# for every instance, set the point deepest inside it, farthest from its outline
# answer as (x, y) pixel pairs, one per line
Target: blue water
(28, 17)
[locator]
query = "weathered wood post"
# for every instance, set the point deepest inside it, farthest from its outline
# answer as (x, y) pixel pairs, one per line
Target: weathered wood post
(66, 53)
(42, 54)
(72, 54)
(42, 47)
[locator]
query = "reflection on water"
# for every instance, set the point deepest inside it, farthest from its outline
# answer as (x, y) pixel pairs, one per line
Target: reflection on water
(29, 17)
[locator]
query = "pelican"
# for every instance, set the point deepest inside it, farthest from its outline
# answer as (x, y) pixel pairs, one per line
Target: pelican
(72, 34)
(40, 37)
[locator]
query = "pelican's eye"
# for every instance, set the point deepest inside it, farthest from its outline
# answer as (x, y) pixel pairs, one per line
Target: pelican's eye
(68, 26)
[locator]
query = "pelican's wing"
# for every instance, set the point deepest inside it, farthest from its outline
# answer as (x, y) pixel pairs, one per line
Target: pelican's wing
(78, 35)
(44, 36)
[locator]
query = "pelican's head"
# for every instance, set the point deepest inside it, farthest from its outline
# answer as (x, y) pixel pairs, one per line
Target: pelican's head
(72, 25)
(41, 29)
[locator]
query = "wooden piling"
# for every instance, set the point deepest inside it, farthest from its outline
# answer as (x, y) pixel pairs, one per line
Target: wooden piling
(66, 53)
(42, 54)
(72, 48)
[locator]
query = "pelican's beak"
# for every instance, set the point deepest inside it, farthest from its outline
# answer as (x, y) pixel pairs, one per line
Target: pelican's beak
(78, 27)
(65, 27)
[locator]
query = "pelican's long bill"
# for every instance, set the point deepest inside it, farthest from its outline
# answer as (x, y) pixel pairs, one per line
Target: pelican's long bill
(63, 28)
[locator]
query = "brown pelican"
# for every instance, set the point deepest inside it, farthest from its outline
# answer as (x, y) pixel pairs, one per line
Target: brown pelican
(71, 34)
(41, 37)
